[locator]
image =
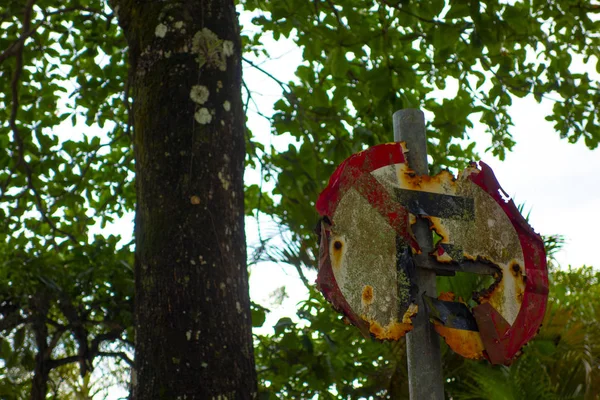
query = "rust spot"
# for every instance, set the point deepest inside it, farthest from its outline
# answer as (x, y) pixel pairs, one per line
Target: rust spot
(519, 296)
(397, 330)
(465, 343)
(367, 295)
(394, 331)
(195, 200)
(376, 329)
(516, 270)
(412, 219)
(410, 313)
(446, 296)
(506, 294)
(436, 183)
(484, 295)
(436, 225)
(336, 252)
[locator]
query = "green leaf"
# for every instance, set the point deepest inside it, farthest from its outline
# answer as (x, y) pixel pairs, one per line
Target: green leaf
(19, 338)
(7, 351)
(283, 324)
(259, 315)
(458, 9)
(338, 62)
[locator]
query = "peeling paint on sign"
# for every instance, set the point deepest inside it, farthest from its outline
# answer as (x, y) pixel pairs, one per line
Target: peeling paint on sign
(368, 228)
(454, 322)
(367, 266)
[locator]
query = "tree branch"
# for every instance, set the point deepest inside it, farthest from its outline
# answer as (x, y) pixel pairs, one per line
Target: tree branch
(79, 8)
(114, 334)
(284, 86)
(4, 185)
(62, 361)
(14, 48)
(10, 321)
(401, 9)
(336, 13)
(118, 354)
(79, 332)
(54, 341)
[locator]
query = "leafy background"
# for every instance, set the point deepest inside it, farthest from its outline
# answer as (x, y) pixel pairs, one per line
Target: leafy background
(66, 173)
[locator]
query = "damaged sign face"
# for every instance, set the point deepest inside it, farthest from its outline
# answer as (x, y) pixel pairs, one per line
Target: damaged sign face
(369, 254)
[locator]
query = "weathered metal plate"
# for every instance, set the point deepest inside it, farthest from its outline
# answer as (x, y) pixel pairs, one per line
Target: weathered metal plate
(454, 321)
(366, 268)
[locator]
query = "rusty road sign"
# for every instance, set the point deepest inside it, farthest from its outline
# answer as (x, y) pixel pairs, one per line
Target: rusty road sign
(369, 254)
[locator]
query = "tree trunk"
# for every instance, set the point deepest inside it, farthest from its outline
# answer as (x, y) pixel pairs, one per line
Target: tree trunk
(193, 327)
(41, 372)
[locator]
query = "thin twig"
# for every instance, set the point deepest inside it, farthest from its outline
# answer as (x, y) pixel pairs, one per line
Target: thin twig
(11, 321)
(14, 48)
(284, 86)
(119, 354)
(400, 8)
(79, 8)
(336, 13)
(54, 341)
(249, 96)
(62, 361)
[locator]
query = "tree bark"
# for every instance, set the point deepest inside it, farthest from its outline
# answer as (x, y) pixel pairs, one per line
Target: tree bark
(41, 372)
(193, 326)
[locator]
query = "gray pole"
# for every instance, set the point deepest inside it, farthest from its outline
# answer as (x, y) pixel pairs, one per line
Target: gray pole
(425, 379)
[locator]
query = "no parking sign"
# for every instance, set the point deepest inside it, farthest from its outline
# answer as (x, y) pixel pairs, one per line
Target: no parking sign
(369, 254)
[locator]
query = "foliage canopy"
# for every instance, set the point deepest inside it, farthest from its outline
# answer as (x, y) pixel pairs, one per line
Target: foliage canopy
(65, 288)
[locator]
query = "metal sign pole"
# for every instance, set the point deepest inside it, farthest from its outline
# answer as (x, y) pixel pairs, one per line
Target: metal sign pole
(425, 379)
